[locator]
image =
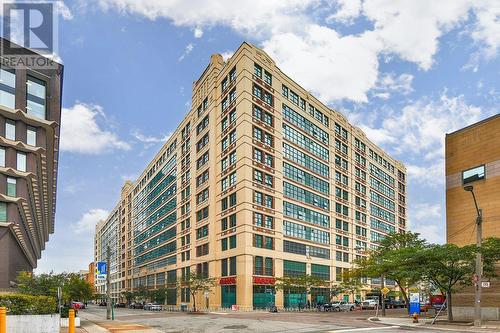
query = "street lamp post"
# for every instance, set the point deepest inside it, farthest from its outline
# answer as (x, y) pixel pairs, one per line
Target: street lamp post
(479, 268)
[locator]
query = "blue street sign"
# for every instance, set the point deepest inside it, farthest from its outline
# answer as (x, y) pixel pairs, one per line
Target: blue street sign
(101, 270)
(414, 303)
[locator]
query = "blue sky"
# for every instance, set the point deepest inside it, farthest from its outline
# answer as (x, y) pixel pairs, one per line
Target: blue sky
(406, 72)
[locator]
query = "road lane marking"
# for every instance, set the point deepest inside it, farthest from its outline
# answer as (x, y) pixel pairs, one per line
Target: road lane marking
(363, 329)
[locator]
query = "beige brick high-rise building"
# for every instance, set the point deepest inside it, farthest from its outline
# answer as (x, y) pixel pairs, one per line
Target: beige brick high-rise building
(260, 180)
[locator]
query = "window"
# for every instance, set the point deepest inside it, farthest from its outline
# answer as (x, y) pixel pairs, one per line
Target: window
(202, 125)
(202, 232)
(10, 130)
(474, 174)
(8, 88)
(3, 212)
(257, 70)
(305, 196)
(228, 222)
(264, 221)
(202, 142)
(11, 186)
(202, 214)
(232, 75)
(21, 161)
(263, 242)
(312, 164)
(268, 78)
(228, 201)
(202, 160)
(305, 214)
(31, 136)
(36, 93)
(294, 268)
(202, 250)
(232, 96)
(224, 84)
(305, 232)
(263, 116)
(228, 181)
(2, 157)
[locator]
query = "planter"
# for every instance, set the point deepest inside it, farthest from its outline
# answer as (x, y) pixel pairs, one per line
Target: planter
(33, 323)
(65, 322)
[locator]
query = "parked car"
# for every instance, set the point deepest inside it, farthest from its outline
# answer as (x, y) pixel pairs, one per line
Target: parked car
(394, 304)
(120, 305)
(369, 304)
(155, 307)
(102, 303)
(346, 306)
(147, 306)
(135, 305)
(327, 307)
(77, 305)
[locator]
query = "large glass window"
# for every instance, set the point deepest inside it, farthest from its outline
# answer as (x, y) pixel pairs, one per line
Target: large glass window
(21, 161)
(36, 98)
(2, 157)
(7, 88)
(11, 187)
(31, 136)
(10, 130)
(474, 174)
(3, 212)
(294, 268)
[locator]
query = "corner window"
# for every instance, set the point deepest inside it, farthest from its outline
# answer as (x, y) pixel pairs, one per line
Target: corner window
(2, 157)
(474, 174)
(36, 98)
(7, 88)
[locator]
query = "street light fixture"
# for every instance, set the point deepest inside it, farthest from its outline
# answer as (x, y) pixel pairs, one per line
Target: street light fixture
(479, 268)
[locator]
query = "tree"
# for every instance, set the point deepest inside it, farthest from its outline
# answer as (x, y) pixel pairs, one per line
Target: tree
(448, 267)
(351, 283)
(129, 296)
(75, 288)
(394, 258)
(198, 283)
(40, 285)
(159, 295)
(142, 292)
(302, 283)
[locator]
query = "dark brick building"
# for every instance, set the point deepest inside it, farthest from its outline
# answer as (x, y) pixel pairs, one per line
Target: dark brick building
(30, 117)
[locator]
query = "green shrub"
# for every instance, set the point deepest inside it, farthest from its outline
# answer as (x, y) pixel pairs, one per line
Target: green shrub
(18, 304)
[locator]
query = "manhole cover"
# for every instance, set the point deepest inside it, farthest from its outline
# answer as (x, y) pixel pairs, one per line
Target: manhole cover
(235, 327)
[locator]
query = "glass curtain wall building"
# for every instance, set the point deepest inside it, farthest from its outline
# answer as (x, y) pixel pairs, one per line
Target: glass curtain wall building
(260, 180)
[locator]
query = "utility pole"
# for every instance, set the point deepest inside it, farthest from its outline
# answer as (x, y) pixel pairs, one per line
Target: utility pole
(382, 286)
(478, 278)
(108, 284)
(479, 269)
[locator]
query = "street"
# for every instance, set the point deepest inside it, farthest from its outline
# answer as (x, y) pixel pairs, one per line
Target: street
(356, 321)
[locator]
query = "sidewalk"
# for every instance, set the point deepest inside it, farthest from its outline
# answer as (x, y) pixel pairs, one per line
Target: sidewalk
(489, 326)
(95, 324)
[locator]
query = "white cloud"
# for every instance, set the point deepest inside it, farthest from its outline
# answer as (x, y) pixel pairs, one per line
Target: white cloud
(411, 29)
(420, 127)
(88, 221)
(391, 83)
(226, 55)
(150, 139)
(187, 50)
(487, 26)
(198, 32)
(332, 65)
(81, 133)
(347, 10)
(425, 218)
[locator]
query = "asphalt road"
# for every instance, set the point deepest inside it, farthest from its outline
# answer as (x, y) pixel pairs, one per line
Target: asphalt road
(176, 322)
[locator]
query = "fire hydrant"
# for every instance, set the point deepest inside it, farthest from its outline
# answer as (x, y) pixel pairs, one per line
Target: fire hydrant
(415, 317)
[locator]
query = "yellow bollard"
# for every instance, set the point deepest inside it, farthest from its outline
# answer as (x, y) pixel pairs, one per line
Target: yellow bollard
(3, 319)
(71, 317)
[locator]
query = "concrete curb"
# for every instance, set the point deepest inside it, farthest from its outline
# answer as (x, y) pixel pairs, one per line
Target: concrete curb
(377, 320)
